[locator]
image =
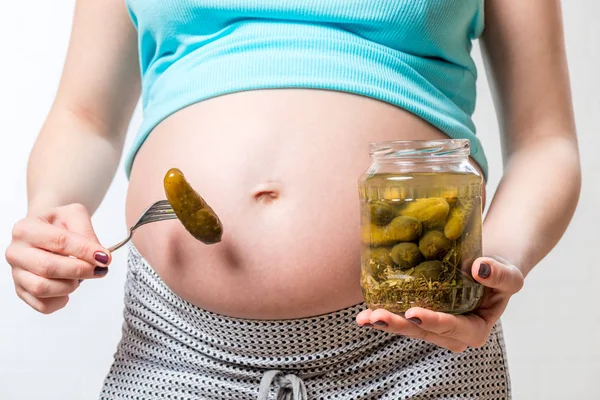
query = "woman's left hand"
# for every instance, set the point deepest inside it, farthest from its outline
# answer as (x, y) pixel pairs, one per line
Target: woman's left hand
(456, 332)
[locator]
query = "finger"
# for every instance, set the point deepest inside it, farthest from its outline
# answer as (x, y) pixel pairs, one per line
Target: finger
(58, 240)
(468, 329)
(43, 288)
(503, 277)
(363, 318)
(44, 306)
(50, 265)
(78, 220)
(389, 322)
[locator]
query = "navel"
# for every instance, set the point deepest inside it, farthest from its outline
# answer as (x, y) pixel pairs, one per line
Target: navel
(267, 192)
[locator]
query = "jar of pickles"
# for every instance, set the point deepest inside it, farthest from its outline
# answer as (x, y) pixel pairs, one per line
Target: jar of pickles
(420, 226)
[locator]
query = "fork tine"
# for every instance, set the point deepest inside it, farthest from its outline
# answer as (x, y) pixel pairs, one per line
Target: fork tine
(160, 210)
(163, 217)
(161, 203)
(156, 218)
(161, 207)
(164, 214)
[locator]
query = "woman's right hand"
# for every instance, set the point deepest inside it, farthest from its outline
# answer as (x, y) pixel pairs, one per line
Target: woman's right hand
(51, 252)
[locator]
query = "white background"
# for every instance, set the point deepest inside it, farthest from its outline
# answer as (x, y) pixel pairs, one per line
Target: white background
(552, 327)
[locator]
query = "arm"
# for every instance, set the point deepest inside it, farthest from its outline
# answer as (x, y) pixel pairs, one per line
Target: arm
(536, 199)
(75, 157)
(524, 52)
(78, 149)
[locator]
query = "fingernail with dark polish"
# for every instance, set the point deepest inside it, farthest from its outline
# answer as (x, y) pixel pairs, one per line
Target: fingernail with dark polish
(484, 270)
(101, 257)
(380, 323)
(415, 320)
(367, 326)
(100, 271)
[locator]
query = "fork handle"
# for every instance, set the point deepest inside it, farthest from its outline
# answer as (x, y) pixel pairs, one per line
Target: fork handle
(121, 243)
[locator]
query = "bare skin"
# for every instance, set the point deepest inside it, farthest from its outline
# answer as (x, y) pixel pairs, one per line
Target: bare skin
(280, 169)
(284, 184)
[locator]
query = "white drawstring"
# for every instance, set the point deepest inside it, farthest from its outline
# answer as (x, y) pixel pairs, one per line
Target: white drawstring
(291, 387)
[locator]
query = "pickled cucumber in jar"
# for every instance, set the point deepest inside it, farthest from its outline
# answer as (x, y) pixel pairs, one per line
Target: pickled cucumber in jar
(381, 213)
(432, 212)
(405, 255)
(418, 248)
(400, 229)
(434, 244)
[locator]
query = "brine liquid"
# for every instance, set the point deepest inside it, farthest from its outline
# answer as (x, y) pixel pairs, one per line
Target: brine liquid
(420, 235)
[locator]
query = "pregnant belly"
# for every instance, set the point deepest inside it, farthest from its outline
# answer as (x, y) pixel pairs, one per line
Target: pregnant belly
(280, 168)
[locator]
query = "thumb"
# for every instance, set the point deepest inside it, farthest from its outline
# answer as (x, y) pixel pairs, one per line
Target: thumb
(496, 274)
(76, 219)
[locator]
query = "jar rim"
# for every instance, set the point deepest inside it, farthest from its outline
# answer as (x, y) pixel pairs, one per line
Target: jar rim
(438, 148)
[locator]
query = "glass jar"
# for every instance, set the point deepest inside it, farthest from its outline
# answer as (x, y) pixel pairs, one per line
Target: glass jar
(421, 218)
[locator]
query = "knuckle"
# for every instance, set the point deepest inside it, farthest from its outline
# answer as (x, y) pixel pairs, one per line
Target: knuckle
(43, 308)
(16, 276)
(10, 255)
(500, 276)
(18, 230)
(88, 233)
(80, 248)
(19, 293)
(60, 241)
(85, 249)
(450, 332)
(47, 268)
(40, 288)
(51, 305)
(82, 269)
(73, 286)
(62, 302)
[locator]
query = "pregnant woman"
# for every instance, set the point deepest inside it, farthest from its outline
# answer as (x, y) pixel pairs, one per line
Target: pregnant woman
(268, 108)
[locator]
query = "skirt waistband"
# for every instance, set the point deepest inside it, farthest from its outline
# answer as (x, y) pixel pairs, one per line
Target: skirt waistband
(175, 350)
(315, 344)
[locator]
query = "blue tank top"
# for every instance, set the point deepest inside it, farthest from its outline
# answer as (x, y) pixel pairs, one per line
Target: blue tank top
(415, 54)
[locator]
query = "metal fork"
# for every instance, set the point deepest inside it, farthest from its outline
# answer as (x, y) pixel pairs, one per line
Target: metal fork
(159, 211)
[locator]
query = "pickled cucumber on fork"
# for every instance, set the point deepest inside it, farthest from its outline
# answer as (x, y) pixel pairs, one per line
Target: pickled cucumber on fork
(197, 217)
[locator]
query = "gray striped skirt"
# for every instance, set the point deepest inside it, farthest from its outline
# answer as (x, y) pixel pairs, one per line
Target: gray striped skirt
(171, 349)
